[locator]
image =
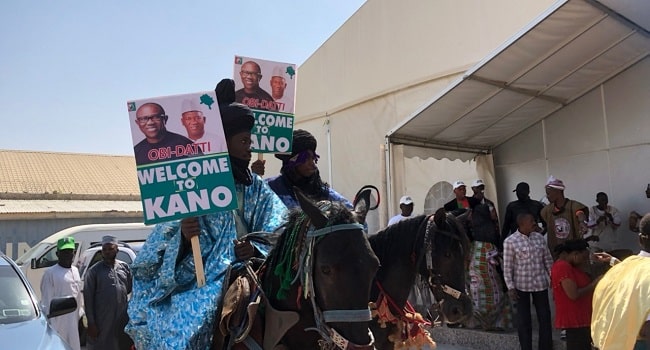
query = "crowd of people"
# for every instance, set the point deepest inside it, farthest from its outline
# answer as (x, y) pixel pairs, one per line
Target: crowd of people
(562, 247)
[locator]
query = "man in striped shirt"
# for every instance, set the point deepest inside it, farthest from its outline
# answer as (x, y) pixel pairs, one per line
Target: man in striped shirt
(527, 268)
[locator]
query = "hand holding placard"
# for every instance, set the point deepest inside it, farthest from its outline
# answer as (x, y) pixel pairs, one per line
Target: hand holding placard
(191, 229)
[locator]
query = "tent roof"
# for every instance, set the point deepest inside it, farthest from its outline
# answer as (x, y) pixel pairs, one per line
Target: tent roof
(569, 50)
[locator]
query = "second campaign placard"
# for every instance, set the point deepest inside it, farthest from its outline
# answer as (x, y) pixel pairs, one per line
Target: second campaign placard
(268, 88)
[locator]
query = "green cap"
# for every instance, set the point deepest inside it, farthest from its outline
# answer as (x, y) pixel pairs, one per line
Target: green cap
(65, 243)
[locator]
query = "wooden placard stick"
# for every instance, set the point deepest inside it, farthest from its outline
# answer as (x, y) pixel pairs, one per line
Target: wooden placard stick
(198, 262)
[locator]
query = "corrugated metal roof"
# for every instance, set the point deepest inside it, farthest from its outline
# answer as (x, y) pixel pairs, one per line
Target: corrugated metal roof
(51, 175)
(13, 206)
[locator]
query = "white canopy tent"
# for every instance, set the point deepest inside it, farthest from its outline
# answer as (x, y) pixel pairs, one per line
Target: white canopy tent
(569, 50)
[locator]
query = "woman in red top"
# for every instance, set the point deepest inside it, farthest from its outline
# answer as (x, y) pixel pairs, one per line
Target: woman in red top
(572, 293)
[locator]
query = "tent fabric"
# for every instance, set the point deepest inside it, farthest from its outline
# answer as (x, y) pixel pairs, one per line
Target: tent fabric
(570, 49)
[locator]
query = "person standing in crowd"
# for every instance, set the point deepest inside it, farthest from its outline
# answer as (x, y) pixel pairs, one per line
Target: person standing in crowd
(406, 208)
(63, 280)
(194, 121)
(621, 306)
(299, 169)
(572, 293)
(523, 204)
(252, 94)
(167, 309)
(152, 120)
(604, 221)
(461, 204)
(527, 268)
(633, 219)
(643, 341)
(106, 288)
(491, 305)
(565, 218)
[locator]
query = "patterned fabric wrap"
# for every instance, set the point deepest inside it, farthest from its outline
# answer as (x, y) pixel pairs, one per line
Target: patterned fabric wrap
(167, 310)
(490, 302)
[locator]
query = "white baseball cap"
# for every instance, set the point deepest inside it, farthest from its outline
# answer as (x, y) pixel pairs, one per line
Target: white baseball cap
(406, 200)
(478, 183)
(458, 184)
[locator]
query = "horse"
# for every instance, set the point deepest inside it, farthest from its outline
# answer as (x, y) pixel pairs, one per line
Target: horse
(437, 248)
(316, 282)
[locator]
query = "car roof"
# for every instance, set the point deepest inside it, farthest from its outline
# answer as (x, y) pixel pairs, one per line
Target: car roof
(53, 238)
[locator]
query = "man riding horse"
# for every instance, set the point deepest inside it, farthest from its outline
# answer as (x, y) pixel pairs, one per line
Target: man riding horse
(167, 310)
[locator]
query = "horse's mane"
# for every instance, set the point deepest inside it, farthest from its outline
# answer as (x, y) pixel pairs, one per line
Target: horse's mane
(397, 237)
(403, 235)
(283, 259)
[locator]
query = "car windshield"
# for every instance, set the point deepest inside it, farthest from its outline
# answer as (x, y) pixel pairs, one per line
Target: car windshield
(15, 302)
(33, 252)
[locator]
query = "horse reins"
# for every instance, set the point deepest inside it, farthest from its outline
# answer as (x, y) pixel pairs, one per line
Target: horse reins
(331, 338)
(434, 280)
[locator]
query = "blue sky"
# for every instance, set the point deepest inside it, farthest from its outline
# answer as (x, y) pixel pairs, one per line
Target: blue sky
(67, 68)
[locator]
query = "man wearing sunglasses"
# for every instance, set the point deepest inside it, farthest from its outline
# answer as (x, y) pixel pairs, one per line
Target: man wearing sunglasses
(159, 144)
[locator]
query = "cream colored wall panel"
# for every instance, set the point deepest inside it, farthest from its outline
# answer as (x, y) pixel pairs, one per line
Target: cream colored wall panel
(508, 176)
(584, 175)
(630, 174)
(576, 128)
(630, 169)
(407, 100)
(527, 146)
(627, 106)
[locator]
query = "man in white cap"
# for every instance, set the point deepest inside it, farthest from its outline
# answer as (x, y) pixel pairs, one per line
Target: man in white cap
(194, 121)
(278, 87)
(461, 203)
(406, 206)
(62, 280)
(565, 218)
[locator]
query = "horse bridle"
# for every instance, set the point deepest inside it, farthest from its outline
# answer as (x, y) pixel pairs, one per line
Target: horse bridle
(434, 280)
(331, 338)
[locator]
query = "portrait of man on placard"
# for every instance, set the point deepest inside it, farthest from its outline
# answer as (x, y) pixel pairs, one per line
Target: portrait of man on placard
(202, 132)
(159, 144)
(252, 94)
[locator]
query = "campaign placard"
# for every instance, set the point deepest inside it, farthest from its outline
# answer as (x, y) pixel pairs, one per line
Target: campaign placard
(268, 88)
(181, 155)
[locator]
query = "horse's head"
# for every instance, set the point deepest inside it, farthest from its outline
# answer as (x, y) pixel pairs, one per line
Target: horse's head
(446, 252)
(335, 266)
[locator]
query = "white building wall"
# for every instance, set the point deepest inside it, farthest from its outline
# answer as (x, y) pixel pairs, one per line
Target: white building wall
(601, 142)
